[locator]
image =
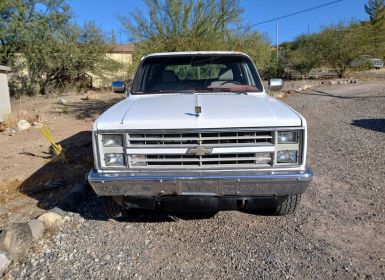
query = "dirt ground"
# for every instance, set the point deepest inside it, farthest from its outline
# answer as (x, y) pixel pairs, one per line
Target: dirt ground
(27, 170)
(338, 232)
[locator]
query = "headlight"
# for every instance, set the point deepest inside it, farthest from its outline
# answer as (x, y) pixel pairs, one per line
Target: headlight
(112, 140)
(287, 137)
(114, 159)
(287, 156)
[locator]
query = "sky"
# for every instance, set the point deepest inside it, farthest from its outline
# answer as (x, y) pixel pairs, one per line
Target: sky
(106, 15)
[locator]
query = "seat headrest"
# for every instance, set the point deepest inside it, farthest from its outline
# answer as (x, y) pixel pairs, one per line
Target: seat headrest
(168, 76)
(225, 74)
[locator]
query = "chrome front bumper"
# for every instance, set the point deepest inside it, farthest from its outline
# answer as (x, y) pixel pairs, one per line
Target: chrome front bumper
(229, 183)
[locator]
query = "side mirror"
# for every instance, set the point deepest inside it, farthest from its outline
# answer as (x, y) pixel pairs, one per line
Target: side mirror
(119, 87)
(275, 84)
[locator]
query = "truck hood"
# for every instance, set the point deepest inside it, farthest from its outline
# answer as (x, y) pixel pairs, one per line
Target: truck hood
(176, 111)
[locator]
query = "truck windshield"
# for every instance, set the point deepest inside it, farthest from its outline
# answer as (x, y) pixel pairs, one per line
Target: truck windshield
(196, 73)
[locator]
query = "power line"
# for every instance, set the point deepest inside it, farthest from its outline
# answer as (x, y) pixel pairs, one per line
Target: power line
(298, 12)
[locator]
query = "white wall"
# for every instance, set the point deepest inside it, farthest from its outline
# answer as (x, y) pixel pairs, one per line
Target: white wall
(5, 103)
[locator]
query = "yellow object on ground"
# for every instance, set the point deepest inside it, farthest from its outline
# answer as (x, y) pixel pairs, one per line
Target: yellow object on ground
(56, 148)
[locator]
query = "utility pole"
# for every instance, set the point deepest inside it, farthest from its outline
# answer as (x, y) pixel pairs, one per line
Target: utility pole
(113, 37)
(277, 41)
(223, 15)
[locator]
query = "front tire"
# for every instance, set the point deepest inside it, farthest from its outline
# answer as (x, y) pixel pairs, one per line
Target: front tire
(288, 205)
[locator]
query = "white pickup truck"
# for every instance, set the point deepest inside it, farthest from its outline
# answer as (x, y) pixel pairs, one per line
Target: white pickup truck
(197, 132)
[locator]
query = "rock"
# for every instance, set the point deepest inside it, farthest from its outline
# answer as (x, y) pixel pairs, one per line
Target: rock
(291, 91)
(4, 262)
(37, 124)
(89, 96)
(278, 95)
(37, 228)
(325, 83)
(59, 211)
(16, 239)
(23, 125)
(333, 82)
(305, 87)
(51, 220)
(62, 101)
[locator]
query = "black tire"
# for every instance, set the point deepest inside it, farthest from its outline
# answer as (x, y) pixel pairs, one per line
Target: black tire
(113, 209)
(288, 205)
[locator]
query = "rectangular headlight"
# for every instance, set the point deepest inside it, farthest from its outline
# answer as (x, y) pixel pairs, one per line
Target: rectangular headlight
(114, 159)
(286, 156)
(287, 137)
(112, 140)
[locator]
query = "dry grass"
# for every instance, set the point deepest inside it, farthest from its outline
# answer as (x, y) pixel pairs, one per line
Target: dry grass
(3, 127)
(9, 191)
(11, 120)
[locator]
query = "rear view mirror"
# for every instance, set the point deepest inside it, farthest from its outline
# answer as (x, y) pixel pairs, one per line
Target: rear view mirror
(119, 87)
(275, 84)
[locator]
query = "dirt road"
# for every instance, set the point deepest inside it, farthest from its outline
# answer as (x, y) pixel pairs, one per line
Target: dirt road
(338, 233)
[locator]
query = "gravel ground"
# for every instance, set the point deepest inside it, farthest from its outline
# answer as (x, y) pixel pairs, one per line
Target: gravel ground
(338, 232)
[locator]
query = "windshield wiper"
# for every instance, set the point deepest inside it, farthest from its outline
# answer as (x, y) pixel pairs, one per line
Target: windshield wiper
(168, 91)
(192, 91)
(189, 91)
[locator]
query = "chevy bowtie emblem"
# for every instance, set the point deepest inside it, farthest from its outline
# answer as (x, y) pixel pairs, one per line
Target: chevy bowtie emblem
(199, 151)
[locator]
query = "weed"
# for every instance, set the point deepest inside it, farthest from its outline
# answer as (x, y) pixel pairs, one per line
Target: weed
(65, 110)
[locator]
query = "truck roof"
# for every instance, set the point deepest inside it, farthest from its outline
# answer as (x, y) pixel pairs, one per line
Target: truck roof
(196, 53)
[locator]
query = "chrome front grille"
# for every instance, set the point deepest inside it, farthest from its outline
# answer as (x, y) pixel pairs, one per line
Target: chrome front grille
(208, 160)
(201, 138)
(237, 149)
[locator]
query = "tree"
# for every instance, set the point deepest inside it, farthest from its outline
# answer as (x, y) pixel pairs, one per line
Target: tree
(339, 45)
(374, 9)
(67, 58)
(180, 25)
(44, 49)
(273, 68)
(255, 44)
(302, 54)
